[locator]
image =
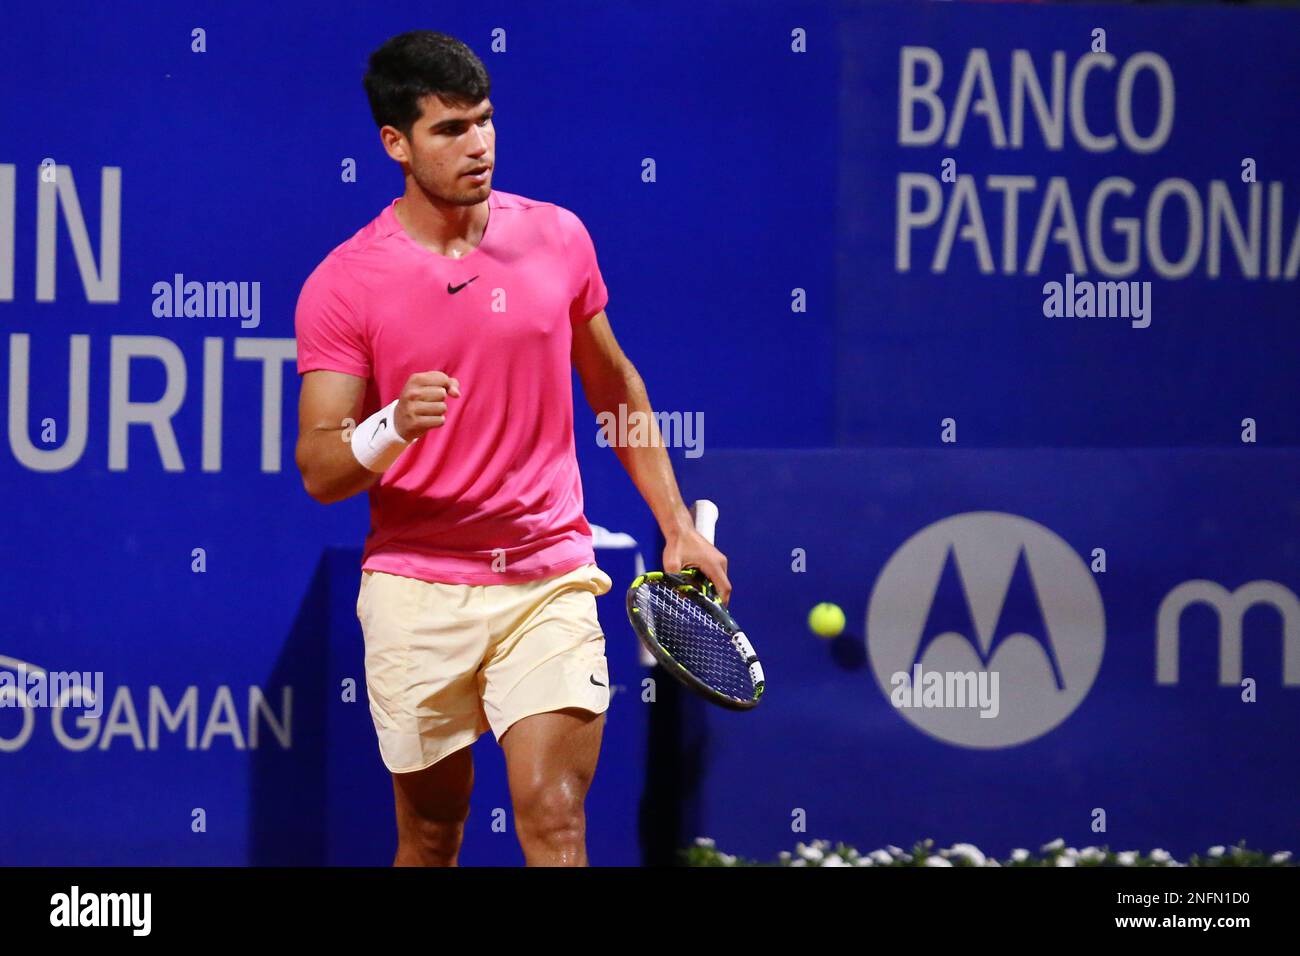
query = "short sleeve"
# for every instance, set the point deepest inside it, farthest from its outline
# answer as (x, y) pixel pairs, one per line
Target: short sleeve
(590, 295)
(330, 334)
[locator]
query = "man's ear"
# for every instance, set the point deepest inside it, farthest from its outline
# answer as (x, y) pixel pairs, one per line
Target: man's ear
(395, 144)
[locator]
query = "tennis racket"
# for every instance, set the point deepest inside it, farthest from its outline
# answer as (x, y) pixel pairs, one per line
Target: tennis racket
(683, 625)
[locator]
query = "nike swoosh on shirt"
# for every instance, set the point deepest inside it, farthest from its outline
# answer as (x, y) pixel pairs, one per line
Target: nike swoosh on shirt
(454, 289)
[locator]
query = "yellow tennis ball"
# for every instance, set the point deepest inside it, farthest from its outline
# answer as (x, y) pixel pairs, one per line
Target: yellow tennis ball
(826, 620)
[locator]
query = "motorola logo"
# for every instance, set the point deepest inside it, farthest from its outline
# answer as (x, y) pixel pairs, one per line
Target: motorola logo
(989, 591)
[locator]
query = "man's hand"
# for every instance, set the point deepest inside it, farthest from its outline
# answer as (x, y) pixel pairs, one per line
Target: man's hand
(423, 403)
(691, 548)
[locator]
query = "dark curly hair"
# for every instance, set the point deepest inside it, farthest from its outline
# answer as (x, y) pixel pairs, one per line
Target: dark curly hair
(412, 65)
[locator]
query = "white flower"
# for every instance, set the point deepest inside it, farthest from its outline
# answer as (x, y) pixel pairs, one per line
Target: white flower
(1071, 852)
(1065, 861)
(936, 861)
(727, 858)
(1159, 856)
(1091, 853)
(1019, 855)
(1054, 845)
(809, 852)
(799, 862)
(966, 851)
(895, 850)
(992, 862)
(1215, 851)
(703, 841)
(1127, 858)
(783, 855)
(1281, 857)
(863, 861)
(835, 860)
(881, 857)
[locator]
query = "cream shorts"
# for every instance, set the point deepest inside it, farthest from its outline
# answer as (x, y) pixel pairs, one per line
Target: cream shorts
(446, 662)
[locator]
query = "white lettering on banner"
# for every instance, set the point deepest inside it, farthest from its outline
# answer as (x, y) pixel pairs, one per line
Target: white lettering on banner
(77, 727)
(1230, 607)
(921, 202)
(1048, 208)
(127, 353)
(58, 193)
(921, 72)
(996, 594)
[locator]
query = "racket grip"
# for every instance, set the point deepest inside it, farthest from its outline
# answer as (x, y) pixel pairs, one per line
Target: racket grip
(705, 515)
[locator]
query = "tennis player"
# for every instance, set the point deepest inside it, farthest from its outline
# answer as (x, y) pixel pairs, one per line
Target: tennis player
(447, 327)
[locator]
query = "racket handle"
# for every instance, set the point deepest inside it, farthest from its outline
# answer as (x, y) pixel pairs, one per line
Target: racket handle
(705, 515)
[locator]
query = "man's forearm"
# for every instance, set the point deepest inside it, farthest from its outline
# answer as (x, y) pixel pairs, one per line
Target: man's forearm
(647, 462)
(330, 470)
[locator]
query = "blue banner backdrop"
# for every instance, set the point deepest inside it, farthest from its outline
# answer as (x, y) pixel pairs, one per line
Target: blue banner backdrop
(1122, 596)
(987, 152)
(157, 531)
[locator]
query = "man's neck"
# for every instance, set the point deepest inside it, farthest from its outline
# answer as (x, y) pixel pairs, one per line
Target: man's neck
(447, 229)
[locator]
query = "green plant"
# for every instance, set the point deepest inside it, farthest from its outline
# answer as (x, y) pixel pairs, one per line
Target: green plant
(822, 853)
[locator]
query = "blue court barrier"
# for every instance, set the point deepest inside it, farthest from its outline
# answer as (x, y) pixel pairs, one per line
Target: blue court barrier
(1159, 696)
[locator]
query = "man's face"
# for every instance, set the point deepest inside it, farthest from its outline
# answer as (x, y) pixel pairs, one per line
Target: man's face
(447, 144)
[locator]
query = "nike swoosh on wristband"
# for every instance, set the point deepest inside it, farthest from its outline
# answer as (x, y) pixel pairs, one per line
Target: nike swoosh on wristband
(454, 289)
(596, 682)
(379, 427)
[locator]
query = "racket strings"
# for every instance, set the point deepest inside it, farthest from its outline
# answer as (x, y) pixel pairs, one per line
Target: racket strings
(695, 639)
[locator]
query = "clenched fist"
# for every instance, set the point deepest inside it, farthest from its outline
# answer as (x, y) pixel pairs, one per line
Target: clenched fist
(423, 403)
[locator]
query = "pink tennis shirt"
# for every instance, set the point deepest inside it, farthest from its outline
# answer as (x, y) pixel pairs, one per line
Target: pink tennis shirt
(493, 496)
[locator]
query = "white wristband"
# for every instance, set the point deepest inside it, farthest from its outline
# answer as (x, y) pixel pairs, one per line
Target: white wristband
(375, 442)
